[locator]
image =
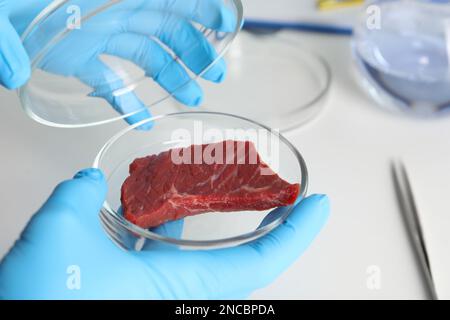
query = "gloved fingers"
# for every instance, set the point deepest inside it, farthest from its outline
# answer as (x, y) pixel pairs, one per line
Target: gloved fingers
(195, 50)
(171, 229)
(14, 61)
(184, 39)
(276, 214)
(109, 86)
(256, 264)
(213, 14)
(286, 243)
(158, 64)
(272, 216)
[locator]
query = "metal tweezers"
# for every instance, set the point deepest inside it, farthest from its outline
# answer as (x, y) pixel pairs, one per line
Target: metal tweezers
(409, 210)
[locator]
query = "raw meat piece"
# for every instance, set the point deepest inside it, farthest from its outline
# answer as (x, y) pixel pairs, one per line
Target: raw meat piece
(160, 189)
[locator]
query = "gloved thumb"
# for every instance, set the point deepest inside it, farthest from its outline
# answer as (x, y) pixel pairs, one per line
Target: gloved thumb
(77, 200)
(82, 195)
(14, 61)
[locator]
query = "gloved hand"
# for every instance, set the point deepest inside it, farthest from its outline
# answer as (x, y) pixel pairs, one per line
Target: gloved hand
(64, 253)
(133, 30)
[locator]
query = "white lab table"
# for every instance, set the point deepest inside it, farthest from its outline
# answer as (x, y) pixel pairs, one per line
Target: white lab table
(347, 148)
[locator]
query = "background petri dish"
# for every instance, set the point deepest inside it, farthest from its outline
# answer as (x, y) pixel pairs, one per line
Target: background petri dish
(270, 80)
(94, 62)
(208, 230)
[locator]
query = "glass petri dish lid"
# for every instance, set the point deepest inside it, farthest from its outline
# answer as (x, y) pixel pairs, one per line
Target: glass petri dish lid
(203, 231)
(272, 80)
(99, 61)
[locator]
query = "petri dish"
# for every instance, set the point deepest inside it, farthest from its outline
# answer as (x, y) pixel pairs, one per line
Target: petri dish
(271, 80)
(203, 231)
(68, 90)
(84, 66)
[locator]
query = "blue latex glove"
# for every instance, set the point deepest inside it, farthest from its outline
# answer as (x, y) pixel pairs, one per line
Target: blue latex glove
(64, 253)
(130, 30)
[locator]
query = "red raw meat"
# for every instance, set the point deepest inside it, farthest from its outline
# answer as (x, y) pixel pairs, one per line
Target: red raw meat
(160, 189)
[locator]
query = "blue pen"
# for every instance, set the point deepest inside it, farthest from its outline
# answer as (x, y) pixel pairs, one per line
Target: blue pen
(250, 24)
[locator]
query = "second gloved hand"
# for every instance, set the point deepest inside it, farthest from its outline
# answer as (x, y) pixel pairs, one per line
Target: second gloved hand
(134, 30)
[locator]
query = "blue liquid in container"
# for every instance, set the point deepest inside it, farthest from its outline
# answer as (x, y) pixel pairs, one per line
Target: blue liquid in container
(405, 60)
